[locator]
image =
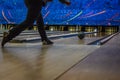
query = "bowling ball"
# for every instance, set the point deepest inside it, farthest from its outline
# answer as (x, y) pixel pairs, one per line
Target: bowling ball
(81, 35)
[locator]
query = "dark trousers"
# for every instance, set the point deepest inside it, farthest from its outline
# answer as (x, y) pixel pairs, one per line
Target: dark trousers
(34, 14)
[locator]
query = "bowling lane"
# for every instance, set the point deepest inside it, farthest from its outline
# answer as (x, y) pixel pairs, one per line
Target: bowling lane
(32, 33)
(34, 61)
(66, 40)
(76, 41)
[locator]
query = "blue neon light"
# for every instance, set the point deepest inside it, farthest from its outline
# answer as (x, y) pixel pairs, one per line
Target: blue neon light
(80, 12)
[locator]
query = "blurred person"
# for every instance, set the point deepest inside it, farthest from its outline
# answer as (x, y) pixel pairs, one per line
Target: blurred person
(34, 8)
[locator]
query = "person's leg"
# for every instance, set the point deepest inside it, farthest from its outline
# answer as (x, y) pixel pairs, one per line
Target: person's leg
(33, 12)
(41, 30)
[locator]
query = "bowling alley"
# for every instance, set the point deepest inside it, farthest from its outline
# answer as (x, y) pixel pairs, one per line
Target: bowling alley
(59, 39)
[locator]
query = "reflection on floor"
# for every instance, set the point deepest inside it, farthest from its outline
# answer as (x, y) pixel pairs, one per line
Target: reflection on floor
(102, 64)
(67, 59)
(34, 62)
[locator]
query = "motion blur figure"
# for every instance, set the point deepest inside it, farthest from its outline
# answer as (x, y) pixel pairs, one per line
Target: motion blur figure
(34, 14)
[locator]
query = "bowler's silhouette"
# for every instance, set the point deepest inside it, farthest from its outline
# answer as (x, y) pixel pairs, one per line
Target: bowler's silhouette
(34, 14)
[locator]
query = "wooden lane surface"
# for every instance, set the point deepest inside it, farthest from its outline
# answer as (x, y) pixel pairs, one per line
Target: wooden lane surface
(76, 41)
(37, 62)
(102, 64)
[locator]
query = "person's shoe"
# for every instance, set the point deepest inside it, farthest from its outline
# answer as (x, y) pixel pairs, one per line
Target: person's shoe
(47, 42)
(5, 39)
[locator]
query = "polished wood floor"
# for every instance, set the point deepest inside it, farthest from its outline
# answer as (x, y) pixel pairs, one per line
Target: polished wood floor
(32, 61)
(61, 61)
(102, 64)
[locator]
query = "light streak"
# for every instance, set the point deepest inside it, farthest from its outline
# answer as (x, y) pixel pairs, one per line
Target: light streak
(46, 15)
(75, 16)
(3, 14)
(114, 16)
(96, 14)
(10, 14)
(90, 13)
(68, 14)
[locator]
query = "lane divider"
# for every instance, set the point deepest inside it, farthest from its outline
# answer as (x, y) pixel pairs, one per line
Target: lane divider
(103, 40)
(107, 39)
(50, 37)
